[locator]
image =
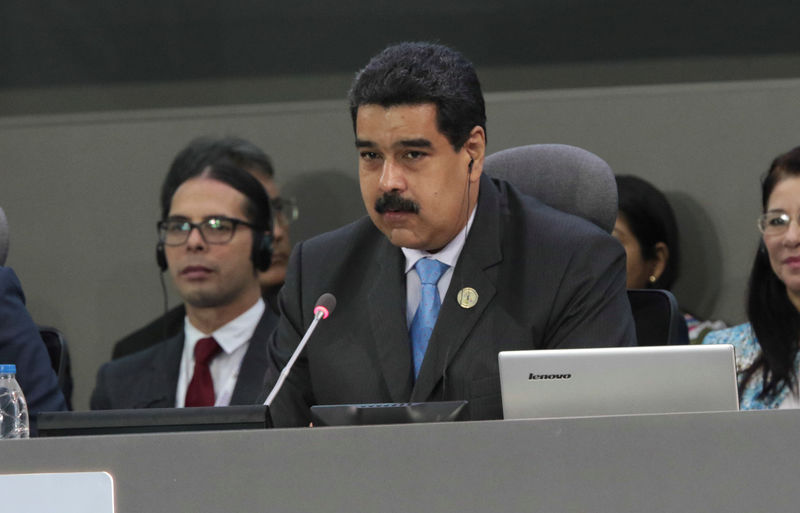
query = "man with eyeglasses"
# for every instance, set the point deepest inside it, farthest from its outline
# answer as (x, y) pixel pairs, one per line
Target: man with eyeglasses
(199, 153)
(214, 237)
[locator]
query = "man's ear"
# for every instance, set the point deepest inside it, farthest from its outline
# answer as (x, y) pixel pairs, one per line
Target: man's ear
(475, 149)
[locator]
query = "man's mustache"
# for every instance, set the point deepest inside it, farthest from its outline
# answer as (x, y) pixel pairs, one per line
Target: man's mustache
(393, 202)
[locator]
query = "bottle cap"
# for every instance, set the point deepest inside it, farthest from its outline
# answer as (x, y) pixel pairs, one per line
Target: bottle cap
(8, 368)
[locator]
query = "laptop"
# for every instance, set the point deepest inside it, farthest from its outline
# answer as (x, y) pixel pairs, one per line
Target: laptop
(617, 381)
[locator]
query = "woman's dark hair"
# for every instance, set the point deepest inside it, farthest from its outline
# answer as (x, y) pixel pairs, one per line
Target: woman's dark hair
(773, 317)
(651, 220)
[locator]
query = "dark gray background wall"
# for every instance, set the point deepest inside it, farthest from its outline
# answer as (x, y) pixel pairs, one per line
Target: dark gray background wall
(97, 41)
(96, 99)
(107, 55)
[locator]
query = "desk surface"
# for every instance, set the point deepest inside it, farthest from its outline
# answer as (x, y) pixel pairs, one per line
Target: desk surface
(732, 462)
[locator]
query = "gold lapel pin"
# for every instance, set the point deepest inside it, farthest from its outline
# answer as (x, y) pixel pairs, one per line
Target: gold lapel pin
(467, 297)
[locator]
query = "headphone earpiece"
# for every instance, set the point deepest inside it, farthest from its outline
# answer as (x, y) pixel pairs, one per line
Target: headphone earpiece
(161, 257)
(262, 250)
(469, 166)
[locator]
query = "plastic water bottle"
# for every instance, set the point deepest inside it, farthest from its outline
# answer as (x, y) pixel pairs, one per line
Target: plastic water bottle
(13, 408)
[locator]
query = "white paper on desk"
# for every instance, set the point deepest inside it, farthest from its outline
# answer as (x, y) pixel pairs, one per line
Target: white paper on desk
(67, 492)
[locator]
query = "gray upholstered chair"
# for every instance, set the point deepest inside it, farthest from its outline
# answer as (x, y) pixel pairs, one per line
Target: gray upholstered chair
(58, 349)
(579, 182)
(658, 319)
(3, 237)
(564, 177)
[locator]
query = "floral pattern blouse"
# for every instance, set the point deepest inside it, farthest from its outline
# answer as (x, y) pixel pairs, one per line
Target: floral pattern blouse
(747, 349)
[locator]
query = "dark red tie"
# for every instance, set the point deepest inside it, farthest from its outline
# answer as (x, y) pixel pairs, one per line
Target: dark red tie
(201, 388)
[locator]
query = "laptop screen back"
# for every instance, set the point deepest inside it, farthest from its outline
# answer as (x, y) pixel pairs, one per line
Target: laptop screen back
(617, 381)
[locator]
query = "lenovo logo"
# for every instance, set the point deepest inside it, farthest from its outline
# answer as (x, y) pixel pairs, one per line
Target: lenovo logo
(533, 376)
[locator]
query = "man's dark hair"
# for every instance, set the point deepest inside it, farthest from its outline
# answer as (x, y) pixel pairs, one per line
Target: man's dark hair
(205, 151)
(773, 318)
(418, 73)
(256, 206)
(651, 220)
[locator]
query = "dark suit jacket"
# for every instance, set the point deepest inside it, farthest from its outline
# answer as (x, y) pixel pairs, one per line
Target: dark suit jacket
(166, 326)
(148, 378)
(21, 344)
(545, 279)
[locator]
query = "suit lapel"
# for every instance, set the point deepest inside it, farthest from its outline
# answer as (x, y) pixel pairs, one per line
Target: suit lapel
(480, 253)
(250, 383)
(159, 391)
(386, 306)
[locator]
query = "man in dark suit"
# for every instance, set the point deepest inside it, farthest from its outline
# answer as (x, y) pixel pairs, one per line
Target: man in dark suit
(214, 237)
(21, 344)
(201, 152)
(451, 266)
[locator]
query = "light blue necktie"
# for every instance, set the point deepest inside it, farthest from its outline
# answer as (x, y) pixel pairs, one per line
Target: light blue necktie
(429, 272)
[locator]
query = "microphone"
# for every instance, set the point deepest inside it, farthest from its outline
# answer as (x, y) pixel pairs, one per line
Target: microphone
(324, 307)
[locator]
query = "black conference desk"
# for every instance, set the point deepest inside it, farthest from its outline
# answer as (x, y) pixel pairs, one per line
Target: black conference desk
(731, 462)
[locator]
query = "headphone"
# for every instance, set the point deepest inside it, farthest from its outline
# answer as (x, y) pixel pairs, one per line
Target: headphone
(261, 255)
(469, 166)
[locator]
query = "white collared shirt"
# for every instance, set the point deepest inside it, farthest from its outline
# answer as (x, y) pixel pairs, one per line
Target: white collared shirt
(233, 338)
(447, 255)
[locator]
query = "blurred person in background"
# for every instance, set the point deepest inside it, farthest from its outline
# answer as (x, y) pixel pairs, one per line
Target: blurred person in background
(214, 238)
(190, 161)
(21, 344)
(647, 229)
(766, 346)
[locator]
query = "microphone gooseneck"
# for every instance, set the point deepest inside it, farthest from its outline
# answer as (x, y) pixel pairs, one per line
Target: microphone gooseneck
(323, 308)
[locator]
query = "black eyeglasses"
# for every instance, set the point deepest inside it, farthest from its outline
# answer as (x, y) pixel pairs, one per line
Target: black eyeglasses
(214, 230)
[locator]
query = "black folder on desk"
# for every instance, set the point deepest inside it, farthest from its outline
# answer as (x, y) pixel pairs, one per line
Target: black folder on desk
(153, 420)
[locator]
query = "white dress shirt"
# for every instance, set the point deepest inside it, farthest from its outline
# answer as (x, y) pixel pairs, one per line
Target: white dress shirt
(447, 255)
(233, 338)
